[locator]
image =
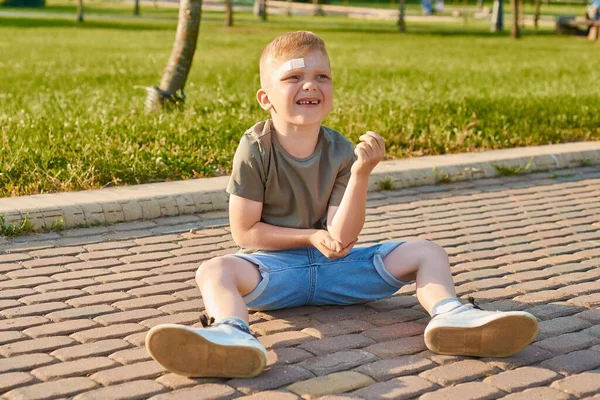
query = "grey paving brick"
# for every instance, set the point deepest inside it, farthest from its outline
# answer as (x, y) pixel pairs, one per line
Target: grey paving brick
(383, 370)
(407, 387)
(127, 373)
(273, 378)
(340, 361)
(573, 363)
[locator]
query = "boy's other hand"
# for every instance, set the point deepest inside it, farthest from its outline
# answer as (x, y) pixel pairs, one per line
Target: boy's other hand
(328, 246)
(369, 151)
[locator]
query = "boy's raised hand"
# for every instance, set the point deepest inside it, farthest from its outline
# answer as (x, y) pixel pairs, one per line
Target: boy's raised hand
(369, 151)
(328, 246)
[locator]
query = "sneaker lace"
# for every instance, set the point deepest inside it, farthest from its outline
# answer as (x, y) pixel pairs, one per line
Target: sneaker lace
(206, 320)
(475, 305)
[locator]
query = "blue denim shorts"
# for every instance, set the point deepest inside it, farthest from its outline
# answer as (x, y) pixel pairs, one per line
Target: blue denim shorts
(304, 276)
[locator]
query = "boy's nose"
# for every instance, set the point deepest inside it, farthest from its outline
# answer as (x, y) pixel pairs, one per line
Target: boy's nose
(309, 86)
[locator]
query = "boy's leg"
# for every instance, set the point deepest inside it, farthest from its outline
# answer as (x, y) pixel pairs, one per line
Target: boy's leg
(457, 329)
(226, 349)
(223, 281)
(428, 264)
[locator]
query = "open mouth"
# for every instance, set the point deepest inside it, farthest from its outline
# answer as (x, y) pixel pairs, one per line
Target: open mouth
(308, 102)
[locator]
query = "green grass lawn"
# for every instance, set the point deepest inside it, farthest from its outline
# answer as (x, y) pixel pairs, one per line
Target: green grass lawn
(71, 96)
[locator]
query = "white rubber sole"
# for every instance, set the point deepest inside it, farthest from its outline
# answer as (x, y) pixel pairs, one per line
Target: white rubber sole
(187, 353)
(501, 337)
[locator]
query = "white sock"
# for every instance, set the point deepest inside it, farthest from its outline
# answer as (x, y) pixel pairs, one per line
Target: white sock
(445, 305)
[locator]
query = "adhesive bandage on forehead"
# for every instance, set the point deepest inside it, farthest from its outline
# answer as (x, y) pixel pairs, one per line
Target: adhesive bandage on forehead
(296, 63)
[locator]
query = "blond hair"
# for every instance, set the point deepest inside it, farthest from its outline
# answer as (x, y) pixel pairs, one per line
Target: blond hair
(289, 45)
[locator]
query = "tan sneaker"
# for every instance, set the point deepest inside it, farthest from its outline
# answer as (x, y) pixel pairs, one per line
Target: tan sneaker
(223, 350)
(470, 331)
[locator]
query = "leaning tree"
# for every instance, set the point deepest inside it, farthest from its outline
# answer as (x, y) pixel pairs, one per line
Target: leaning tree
(170, 90)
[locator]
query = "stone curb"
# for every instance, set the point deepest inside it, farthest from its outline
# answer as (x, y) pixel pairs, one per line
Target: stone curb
(149, 201)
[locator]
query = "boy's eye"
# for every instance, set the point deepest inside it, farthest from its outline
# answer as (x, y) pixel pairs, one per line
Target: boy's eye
(293, 77)
(322, 76)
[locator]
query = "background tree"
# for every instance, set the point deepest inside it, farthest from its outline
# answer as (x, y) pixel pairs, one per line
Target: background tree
(401, 12)
(79, 10)
(514, 31)
(136, 7)
(260, 9)
(170, 90)
(228, 12)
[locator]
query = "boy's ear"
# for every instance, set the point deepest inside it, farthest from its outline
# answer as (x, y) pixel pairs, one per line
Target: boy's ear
(263, 99)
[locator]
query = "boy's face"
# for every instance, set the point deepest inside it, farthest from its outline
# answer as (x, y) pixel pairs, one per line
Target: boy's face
(298, 91)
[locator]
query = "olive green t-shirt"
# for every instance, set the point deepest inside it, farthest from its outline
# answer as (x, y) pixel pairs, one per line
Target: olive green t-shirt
(295, 192)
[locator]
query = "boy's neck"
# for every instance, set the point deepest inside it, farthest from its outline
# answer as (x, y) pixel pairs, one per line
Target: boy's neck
(298, 140)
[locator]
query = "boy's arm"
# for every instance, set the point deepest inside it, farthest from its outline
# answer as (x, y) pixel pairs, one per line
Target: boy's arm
(345, 222)
(249, 232)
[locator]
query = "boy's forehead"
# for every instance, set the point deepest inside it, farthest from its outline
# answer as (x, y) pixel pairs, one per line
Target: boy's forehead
(310, 59)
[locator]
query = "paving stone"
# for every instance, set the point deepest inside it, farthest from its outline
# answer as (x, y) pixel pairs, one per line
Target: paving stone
(127, 316)
(99, 255)
(24, 282)
(271, 395)
(338, 382)
(37, 309)
(113, 287)
(110, 332)
(383, 370)
(59, 251)
(204, 391)
(82, 367)
(558, 326)
(81, 274)
(340, 361)
(170, 277)
(104, 263)
(287, 355)
(50, 261)
(142, 389)
(399, 347)
(545, 312)
(592, 316)
(521, 378)
(137, 339)
(585, 384)
(573, 363)
(11, 336)
(542, 393)
(46, 344)
(131, 356)
(396, 331)
(471, 390)
(340, 313)
(174, 381)
(28, 273)
(109, 246)
(408, 387)
(73, 284)
(582, 288)
(95, 349)
(81, 312)
(543, 297)
(568, 342)
(52, 296)
(52, 390)
(182, 306)
(337, 328)
(98, 299)
(458, 372)
(282, 325)
(189, 318)
(335, 344)
(16, 293)
(284, 339)
(25, 362)
(60, 328)
(393, 303)
(393, 317)
(589, 301)
(143, 370)
(13, 380)
(273, 378)
(146, 302)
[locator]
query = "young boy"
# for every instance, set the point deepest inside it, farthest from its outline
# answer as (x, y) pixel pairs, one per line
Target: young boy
(298, 193)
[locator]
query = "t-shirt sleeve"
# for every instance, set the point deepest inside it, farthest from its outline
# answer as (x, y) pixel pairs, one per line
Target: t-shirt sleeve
(343, 176)
(247, 175)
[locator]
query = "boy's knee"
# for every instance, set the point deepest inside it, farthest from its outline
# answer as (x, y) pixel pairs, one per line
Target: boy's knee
(430, 250)
(209, 268)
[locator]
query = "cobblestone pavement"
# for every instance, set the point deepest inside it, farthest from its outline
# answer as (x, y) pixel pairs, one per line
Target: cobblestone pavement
(76, 305)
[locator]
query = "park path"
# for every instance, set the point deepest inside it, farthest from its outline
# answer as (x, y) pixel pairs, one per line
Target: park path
(75, 305)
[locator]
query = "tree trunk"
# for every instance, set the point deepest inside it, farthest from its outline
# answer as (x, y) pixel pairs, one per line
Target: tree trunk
(317, 10)
(136, 8)
(497, 16)
(170, 90)
(536, 17)
(514, 31)
(228, 12)
(260, 9)
(401, 23)
(79, 10)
